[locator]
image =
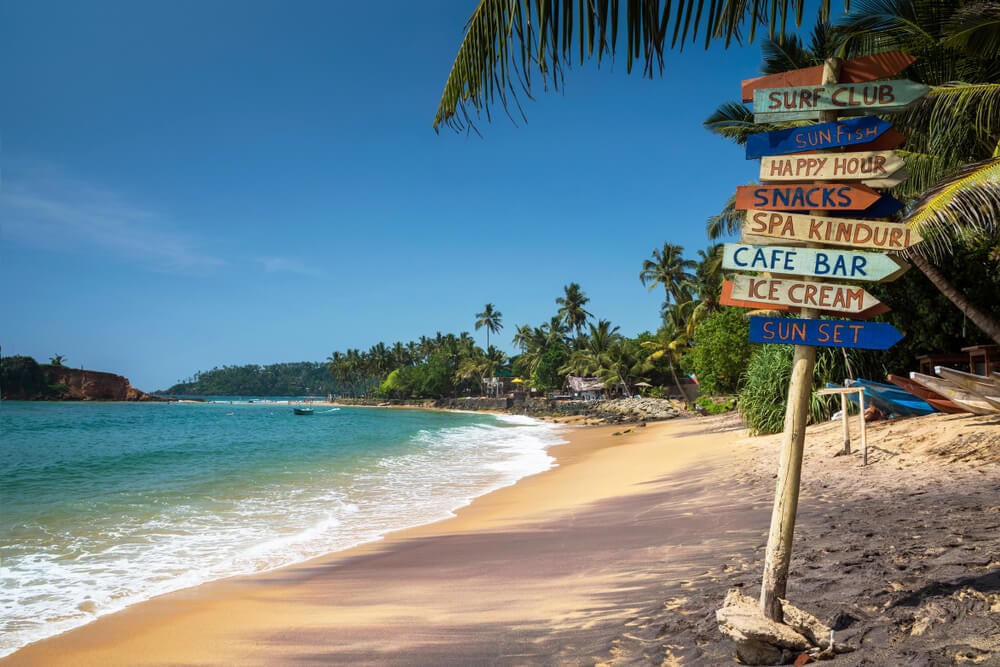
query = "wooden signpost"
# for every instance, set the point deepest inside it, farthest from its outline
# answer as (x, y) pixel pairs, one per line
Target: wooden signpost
(780, 104)
(833, 231)
(824, 333)
(830, 166)
(803, 208)
(850, 132)
(800, 197)
(816, 262)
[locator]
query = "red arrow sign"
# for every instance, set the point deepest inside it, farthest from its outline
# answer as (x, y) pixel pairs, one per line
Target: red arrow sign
(803, 197)
(856, 70)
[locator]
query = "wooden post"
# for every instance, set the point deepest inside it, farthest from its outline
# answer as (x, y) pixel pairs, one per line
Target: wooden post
(843, 420)
(786, 495)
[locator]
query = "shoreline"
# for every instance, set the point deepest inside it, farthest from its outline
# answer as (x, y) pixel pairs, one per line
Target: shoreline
(620, 555)
(528, 501)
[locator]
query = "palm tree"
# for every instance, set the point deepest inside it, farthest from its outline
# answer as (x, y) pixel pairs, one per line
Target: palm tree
(509, 41)
(669, 268)
(571, 310)
(57, 360)
(491, 319)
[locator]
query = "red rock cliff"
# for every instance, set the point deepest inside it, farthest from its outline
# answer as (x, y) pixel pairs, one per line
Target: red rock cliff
(85, 385)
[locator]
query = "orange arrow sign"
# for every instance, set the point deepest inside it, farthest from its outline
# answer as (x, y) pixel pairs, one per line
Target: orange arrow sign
(803, 197)
(856, 70)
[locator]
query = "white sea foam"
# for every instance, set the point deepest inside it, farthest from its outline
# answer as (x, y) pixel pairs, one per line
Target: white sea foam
(67, 575)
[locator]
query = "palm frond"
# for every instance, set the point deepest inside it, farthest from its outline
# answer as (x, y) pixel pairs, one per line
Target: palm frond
(968, 202)
(975, 28)
(732, 120)
(507, 42)
(728, 222)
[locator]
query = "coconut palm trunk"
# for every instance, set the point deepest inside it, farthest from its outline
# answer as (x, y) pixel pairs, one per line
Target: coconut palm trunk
(983, 321)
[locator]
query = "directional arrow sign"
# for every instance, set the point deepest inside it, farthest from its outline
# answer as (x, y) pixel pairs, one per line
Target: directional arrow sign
(883, 208)
(824, 196)
(885, 142)
(818, 262)
(727, 299)
(816, 137)
(827, 166)
(831, 231)
(855, 70)
(803, 293)
(824, 333)
(779, 104)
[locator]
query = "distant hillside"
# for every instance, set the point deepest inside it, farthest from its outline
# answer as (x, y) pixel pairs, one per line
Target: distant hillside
(290, 379)
(24, 379)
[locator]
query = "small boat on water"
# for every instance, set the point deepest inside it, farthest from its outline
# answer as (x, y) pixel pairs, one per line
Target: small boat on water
(965, 399)
(893, 400)
(302, 411)
(936, 400)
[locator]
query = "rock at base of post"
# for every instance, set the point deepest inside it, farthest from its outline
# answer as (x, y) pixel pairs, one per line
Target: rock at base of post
(761, 641)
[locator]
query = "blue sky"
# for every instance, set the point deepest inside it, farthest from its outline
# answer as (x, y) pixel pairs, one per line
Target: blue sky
(196, 184)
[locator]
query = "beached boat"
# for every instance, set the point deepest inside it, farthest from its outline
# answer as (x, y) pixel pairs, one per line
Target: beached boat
(893, 400)
(977, 384)
(936, 400)
(302, 411)
(959, 396)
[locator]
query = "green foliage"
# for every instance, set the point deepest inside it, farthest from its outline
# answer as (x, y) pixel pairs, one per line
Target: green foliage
(546, 376)
(721, 351)
(393, 385)
(23, 378)
(289, 379)
(718, 406)
(763, 397)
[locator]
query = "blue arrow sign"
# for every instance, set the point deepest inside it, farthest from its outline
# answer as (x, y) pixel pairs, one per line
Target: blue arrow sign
(824, 333)
(884, 207)
(815, 137)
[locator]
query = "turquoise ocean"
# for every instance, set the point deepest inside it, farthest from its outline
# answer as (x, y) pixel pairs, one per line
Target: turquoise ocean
(103, 505)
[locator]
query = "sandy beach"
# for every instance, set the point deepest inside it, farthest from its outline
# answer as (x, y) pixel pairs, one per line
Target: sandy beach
(621, 555)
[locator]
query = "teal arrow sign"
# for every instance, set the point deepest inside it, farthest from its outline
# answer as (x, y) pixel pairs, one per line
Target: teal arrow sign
(817, 262)
(779, 104)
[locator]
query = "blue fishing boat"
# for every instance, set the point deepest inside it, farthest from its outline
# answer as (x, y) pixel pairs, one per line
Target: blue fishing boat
(302, 411)
(891, 399)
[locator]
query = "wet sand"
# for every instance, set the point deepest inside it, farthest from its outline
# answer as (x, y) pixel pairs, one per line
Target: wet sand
(620, 555)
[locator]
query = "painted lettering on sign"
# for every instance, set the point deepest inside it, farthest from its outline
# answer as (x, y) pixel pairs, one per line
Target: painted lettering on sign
(805, 197)
(850, 166)
(834, 231)
(728, 299)
(838, 96)
(779, 104)
(803, 293)
(824, 333)
(849, 132)
(795, 331)
(819, 262)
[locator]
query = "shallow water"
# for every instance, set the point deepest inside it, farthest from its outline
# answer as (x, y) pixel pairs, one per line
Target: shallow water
(108, 504)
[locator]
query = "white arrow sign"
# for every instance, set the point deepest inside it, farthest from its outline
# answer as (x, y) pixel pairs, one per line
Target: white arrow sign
(803, 293)
(818, 262)
(830, 166)
(831, 231)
